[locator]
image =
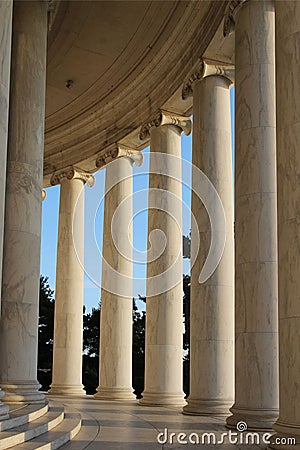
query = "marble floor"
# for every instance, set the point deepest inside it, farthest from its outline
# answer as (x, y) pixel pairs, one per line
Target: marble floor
(128, 426)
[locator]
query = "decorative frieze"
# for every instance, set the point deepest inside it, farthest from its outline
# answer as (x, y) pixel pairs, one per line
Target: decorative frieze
(166, 118)
(118, 152)
(207, 68)
(229, 21)
(71, 173)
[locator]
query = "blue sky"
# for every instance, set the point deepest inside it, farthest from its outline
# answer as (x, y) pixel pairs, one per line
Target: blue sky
(94, 226)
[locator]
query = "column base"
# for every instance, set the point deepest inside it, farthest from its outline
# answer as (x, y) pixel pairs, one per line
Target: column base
(285, 432)
(256, 419)
(160, 399)
(22, 392)
(67, 389)
(200, 407)
(4, 409)
(114, 394)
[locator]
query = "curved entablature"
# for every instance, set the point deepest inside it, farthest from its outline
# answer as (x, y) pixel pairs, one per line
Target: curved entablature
(89, 110)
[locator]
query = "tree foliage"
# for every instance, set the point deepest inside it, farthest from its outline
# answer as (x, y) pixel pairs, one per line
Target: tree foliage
(91, 334)
(45, 331)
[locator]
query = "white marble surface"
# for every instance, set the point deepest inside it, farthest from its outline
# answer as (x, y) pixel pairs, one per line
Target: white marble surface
(21, 259)
(5, 55)
(288, 175)
(256, 314)
(164, 320)
(68, 321)
(115, 371)
(212, 302)
(129, 426)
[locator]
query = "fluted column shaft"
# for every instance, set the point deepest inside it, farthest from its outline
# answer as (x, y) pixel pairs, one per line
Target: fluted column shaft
(68, 312)
(5, 56)
(288, 176)
(164, 308)
(115, 365)
(256, 317)
(212, 302)
(22, 231)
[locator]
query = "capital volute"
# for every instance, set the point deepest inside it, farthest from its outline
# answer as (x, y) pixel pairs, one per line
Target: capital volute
(120, 151)
(229, 19)
(207, 68)
(166, 118)
(72, 173)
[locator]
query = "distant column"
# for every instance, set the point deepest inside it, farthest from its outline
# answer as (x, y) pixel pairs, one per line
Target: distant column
(5, 56)
(115, 365)
(212, 302)
(288, 176)
(164, 307)
(256, 296)
(68, 311)
(23, 203)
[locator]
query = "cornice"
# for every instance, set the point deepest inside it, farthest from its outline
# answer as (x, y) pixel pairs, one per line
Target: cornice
(166, 118)
(207, 68)
(119, 151)
(72, 173)
(229, 18)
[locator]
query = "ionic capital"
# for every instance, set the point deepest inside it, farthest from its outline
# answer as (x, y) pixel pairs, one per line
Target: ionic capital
(72, 173)
(229, 19)
(166, 118)
(118, 152)
(207, 68)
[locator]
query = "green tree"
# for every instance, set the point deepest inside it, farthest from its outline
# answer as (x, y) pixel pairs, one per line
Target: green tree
(186, 336)
(91, 335)
(138, 348)
(45, 333)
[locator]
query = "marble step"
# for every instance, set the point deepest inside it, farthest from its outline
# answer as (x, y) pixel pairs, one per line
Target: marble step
(88, 433)
(58, 436)
(23, 414)
(14, 436)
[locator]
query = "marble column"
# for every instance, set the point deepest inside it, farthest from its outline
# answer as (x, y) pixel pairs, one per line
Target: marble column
(256, 290)
(5, 55)
(212, 302)
(288, 176)
(164, 307)
(115, 365)
(68, 311)
(21, 252)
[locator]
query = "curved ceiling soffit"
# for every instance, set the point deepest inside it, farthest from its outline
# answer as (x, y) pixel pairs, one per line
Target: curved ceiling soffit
(80, 138)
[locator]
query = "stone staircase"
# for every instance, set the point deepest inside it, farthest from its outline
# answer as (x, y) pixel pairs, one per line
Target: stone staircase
(39, 427)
